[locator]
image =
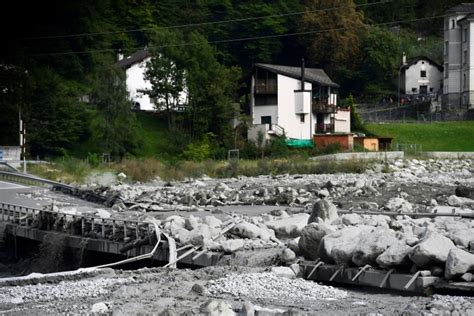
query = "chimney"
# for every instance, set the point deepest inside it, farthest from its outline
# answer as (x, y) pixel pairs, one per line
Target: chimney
(302, 74)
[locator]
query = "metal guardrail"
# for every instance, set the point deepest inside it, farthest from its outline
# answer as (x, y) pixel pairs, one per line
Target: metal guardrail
(90, 226)
(29, 179)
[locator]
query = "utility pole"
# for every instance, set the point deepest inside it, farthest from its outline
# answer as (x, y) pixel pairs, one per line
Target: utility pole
(404, 62)
(22, 141)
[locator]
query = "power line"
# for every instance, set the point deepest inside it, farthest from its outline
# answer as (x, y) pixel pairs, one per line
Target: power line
(155, 29)
(235, 39)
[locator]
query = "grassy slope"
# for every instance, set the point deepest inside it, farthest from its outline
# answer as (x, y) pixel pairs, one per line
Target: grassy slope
(442, 136)
(155, 135)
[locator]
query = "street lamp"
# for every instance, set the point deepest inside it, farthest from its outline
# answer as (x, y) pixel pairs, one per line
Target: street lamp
(404, 62)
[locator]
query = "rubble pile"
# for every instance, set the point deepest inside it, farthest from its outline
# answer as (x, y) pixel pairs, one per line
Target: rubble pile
(297, 190)
(270, 287)
(440, 245)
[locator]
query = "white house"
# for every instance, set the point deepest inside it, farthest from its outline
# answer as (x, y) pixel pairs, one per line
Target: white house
(281, 104)
(135, 67)
(421, 75)
(458, 87)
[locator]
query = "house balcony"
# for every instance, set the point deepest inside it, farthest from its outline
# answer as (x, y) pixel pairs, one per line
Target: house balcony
(322, 107)
(324, 128)
(265, 87)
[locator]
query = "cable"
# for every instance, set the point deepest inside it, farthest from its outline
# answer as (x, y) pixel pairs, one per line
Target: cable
(232, 40)
(204, 23)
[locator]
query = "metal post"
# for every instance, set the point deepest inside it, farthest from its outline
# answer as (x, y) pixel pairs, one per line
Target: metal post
(124, 230)
(83, 226)
(136, 231)
(103, 229)
(113, 229)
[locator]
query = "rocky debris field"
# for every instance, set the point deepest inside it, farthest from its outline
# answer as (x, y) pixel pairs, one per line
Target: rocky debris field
(213, 291)
(383, 218)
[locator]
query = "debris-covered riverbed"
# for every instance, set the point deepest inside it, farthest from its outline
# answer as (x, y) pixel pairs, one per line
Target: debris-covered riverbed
(276, 221)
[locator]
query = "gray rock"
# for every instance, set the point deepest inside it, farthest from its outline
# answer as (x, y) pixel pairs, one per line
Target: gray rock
(293, 245)
(351, 219)
(436, 271)
(247, 309)
(398, 204)
(232, 245)
(289, 226)
(396, 255)
(324, 210)
(284, 272)
(467, 277)
(432, 250)
(99, 308)
(217, 308)
(287, 256)
(462, 237)
(465, 191)
(371, 245)
(340, 246)
(311, 237)
(458, 262)
(199, 289)
(252, 231)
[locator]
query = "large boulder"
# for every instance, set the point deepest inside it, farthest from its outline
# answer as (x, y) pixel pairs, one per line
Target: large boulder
(458, 262)
(232, 245)
(351, 219)
(217, 308)
(198, 235)
(462, 237)
(288, 227)
(396, 255)
(339, 246)
(371, 245)
(465, 191)
(252, 231)
(432, 250)
(310, 239)
(323, 210)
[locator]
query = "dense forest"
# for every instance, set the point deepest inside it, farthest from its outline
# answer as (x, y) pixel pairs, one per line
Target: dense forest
(57, 61)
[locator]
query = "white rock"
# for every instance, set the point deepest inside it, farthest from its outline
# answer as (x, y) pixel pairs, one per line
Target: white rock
(284, 272)
(458, 262)
(287, 256)
(99, 308)
(432, 250)
(217, 308)
(212, 221)
(252, 231)
(397, 204)
(232, 245)
(351, 219)
(311, 237)
(371, 244)
(396, 255)
(290, 227)
(323, 210)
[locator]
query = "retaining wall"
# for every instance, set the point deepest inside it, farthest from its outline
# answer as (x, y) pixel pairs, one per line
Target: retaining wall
(380, 155)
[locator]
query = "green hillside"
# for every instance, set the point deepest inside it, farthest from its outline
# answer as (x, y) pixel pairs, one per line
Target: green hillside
(441, 136)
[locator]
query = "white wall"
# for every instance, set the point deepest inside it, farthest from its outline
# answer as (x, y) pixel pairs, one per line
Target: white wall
(342, 121)
(413, 79)
(287, 116)
(136, 81)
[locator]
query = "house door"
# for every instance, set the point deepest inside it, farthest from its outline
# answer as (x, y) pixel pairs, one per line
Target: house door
(266, 120)
(423, 89)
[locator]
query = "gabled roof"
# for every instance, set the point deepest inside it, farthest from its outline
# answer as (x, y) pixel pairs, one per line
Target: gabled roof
(414, 60)
(314, 75)
(136, 57)
(462, 8)
(466, 18)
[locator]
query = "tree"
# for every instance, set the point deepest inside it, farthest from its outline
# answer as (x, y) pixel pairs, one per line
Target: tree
(165, 71)
(115, 127)
(336, 39)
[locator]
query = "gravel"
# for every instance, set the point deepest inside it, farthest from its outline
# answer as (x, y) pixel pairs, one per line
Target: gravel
(60, 291)
(270, 287)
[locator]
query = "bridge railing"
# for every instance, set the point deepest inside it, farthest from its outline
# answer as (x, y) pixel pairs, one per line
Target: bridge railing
(77, 225)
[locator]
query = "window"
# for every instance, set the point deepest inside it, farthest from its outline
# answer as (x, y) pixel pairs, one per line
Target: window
(423, 73)
(453, 23)
(446, 74)
(464, 56)
(431, 89)
(266, 120)
(266, 99)
(446, 48)
(446, 24)
(464, 34)
(413, 89)
(464, 81)
(302, 118)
